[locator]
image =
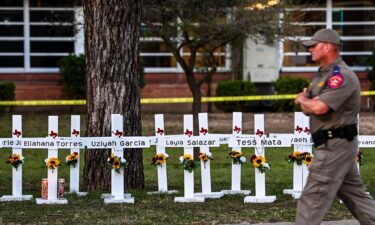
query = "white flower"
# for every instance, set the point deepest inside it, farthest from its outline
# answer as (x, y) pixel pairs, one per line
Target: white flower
(181, 159)
(123, 160)
(242, 159)
(46, 161)
(21, 158)
(266, 165)
(166, 155)
(109, 159)
(209, 154)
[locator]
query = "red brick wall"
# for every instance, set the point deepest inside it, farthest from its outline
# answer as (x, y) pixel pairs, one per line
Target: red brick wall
(33, 86)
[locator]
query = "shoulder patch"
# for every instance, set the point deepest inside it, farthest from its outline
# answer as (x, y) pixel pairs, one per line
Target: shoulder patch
(335, 81)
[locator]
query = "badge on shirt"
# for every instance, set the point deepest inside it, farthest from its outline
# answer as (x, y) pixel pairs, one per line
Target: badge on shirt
(321, 84)
(336, 80)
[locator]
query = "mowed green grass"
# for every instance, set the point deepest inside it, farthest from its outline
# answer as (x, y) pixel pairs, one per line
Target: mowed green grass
(156, 209)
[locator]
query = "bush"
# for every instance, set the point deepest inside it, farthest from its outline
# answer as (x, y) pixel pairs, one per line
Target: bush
(73, 69)
(234, 88)
(289, 85)
(7, 92)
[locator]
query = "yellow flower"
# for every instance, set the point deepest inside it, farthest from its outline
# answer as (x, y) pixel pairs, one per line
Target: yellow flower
(308, 159)
(188, 157)
(116, 163)
(258, 161)
(53, 163)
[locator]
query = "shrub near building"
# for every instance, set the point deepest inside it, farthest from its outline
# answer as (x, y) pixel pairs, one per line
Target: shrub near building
(289, 85)
(7, 92)
(234, 88)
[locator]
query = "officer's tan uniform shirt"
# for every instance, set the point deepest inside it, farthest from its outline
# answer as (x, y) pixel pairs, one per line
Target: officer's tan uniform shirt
(338, 87)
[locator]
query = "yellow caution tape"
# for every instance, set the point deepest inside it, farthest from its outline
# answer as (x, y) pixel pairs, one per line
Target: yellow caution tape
(162, 100)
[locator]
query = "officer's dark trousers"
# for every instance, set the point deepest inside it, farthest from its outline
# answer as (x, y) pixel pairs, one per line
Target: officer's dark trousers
(334, 171)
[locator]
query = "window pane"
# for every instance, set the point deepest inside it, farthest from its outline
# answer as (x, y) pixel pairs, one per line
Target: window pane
(356, 60)
(52, 46)
(11, 46)
(356, 46)
(353, 16)
(309, 30)
(55, 3)
(147, 46)
(45, 61)
(298, 61)
(52, 16)
(309, 16)
(11, 61)
(355, 30)
(10, 3)
(353, 3)
(51, 31)
(159, 61)
(11, 16)
(11, 30)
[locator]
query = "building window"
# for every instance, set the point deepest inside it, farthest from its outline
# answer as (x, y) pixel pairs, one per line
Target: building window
(353, 20)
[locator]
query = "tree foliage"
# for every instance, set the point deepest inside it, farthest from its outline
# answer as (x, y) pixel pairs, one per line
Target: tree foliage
(194, 29)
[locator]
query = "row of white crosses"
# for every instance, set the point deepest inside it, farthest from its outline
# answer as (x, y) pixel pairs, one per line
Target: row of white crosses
(300, 139)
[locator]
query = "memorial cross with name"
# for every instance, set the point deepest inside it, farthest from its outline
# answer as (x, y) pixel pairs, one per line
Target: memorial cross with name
(17, 172)
(52, 172)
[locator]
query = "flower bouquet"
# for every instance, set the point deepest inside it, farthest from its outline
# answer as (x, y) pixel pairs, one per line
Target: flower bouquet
(72, 159)
(261, 163)
(237, 157)
(117, 163)
(188, 162)
(15, 160)
(204, 157)
(300, 157)
(159, 159)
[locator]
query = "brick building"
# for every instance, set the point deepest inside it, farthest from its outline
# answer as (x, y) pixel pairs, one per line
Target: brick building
(35, 34)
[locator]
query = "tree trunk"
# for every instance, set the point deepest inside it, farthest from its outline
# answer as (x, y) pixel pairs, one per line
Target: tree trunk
(112, 61)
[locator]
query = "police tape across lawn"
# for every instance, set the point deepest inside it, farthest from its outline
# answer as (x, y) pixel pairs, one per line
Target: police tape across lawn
(259, 140)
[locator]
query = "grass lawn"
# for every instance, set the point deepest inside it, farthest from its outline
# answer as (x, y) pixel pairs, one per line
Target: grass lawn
(156, 209)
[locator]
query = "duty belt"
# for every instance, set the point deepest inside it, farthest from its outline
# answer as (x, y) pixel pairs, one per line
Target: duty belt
(347, 132)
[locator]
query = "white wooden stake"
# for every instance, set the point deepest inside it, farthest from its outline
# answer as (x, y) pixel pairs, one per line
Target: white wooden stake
(52, 173)
(161, 170)
(260, 183)
(205, 167)
(188, 176)
(236, 168)
(16, 173)
(75, 127)
(117, 179)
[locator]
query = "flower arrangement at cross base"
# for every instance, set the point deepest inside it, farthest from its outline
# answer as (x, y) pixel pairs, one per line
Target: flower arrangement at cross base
(15, 160)
(188, 162)
(52, 163)
(204, 157)
(237, 157)
(159, 159)
(300, 157)
(117, 163)
(72, 159)
(359, 158)
(260, 163)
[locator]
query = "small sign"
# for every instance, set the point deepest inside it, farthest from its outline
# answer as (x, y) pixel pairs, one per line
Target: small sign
(365, 141)
(255, 141)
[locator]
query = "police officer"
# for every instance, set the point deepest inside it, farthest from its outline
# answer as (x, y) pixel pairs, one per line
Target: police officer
(332, 101)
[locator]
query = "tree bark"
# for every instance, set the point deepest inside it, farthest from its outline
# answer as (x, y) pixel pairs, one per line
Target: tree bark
(112, 74)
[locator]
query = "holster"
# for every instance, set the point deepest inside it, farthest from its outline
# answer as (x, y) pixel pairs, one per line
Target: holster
(347, 132)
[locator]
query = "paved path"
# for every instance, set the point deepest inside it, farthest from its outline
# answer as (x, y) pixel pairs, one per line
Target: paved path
(343, 222)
